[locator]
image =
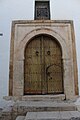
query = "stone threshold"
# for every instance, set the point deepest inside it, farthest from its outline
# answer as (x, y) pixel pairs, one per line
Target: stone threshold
(36, 97)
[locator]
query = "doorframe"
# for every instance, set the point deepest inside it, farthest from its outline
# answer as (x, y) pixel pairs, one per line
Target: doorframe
(16, 83)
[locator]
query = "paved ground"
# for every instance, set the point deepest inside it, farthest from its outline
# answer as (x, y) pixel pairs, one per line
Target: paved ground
(65, 115)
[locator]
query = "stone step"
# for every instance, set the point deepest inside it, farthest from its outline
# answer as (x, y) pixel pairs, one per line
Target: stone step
(39, 106)
(65, 115)
(44, 97)
(58, 97)
(20, 118)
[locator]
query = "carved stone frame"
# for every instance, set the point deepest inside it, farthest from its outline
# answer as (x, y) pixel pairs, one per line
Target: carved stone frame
(22, 32)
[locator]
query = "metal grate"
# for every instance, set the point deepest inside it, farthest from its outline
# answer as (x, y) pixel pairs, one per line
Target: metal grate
(42, 10)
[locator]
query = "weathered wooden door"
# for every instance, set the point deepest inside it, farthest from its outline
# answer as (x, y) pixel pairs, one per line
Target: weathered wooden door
(43, 66)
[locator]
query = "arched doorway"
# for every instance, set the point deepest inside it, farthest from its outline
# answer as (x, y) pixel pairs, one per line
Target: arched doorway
(43, 69)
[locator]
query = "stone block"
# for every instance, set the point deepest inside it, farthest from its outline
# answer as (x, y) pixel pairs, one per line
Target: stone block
(68, 115)
(20, 118)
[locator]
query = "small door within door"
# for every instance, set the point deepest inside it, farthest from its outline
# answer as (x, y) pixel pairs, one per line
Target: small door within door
(43, 66)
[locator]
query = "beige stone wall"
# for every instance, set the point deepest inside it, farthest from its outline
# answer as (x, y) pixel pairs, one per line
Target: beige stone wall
(22, 32)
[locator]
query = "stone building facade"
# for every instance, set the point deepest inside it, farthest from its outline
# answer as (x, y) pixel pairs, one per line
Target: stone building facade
(49, 45)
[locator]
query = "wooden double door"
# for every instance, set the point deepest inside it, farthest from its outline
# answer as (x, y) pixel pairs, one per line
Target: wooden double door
(43, 72)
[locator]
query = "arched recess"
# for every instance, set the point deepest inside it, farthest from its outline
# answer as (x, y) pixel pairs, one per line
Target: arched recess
(36, 32)
(43, 67)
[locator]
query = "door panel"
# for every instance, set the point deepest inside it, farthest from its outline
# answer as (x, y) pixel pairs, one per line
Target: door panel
(53, 66)
(32, 68)
(43, 66)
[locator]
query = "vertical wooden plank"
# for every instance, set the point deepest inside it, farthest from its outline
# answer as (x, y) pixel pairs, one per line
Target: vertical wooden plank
(43, 69)
(48, 62)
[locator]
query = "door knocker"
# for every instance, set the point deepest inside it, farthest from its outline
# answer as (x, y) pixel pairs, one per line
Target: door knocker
(37, 53)
(48, 52)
